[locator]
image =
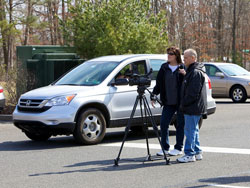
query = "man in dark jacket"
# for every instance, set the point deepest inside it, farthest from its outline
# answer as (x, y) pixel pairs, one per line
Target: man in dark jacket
(193, 105)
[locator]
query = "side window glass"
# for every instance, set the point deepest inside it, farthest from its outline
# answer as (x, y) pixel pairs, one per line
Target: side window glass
(156, 65)
(138, 67)
(211, 70)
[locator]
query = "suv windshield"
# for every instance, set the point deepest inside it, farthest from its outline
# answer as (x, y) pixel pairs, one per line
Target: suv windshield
(234, 70)
(89, 73)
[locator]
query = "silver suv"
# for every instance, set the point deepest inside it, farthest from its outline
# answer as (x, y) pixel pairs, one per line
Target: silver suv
(88, 99)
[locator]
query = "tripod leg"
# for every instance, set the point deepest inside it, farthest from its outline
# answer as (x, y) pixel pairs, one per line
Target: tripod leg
(116, 161)
(145, 128)
(154, 125)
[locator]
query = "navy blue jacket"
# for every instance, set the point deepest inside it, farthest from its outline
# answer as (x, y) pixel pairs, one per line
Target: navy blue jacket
(161, 84)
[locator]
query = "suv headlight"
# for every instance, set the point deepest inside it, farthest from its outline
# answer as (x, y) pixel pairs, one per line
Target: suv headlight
(60, 101)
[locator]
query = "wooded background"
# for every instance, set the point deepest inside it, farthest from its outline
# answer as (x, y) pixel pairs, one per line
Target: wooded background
(218, 29)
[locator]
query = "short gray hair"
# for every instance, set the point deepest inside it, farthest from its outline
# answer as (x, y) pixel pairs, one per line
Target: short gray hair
(191, 52)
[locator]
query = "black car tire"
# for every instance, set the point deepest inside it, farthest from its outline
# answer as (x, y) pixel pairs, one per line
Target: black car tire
(90, 127)
(37, 136)
(238, 94)
(200, 123)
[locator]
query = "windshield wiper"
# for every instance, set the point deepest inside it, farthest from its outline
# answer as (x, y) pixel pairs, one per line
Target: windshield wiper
(69, 84)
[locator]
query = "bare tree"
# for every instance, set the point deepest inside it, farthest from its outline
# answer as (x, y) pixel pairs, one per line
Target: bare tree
(27, 26)
(234, 32)
(4, 33)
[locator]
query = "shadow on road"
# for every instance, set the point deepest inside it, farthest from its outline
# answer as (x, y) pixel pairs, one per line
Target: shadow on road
(108, 165)
(230, 102)
(26, 145)
(223, 181)
(68, 141)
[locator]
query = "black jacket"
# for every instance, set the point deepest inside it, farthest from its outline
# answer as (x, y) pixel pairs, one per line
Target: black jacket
(161, 84)
(194, 94)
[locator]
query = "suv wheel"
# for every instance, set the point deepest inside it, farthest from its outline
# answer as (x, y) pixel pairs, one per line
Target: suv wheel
(90, 127)
(238, 94)
(37, 136)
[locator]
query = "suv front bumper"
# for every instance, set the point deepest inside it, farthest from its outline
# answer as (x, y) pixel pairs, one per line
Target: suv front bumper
(39, 127)
(56, 120)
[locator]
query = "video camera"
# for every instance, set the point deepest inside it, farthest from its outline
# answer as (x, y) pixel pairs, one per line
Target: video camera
(139, 80)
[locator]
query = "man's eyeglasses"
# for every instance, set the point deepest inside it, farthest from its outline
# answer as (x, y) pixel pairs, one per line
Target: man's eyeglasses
(171, 53)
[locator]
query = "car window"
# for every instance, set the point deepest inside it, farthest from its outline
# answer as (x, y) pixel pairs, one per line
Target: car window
(211, 70)
(88, 74)
(138, 67)
(233, 70)
(156, 65)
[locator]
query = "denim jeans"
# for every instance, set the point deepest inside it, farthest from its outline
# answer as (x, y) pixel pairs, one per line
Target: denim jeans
(167, 114)
(192, 143)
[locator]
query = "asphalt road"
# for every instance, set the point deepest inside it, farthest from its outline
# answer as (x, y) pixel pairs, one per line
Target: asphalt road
(60, 162)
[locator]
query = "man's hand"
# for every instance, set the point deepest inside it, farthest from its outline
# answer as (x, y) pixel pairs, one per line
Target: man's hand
(182, 71)
(153, 103)
(153, 99)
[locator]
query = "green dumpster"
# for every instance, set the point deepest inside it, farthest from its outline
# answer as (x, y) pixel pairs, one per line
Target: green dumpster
(41, 65)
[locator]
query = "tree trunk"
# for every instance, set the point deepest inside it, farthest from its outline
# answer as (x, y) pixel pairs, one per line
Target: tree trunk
(172, 23)
(181, 24)
(63, 18)
(55, 21)
(219, 33)
(50, 19)
(4, 33)
(27, 28)
(156, 6)
(234, 33)
(10, 36)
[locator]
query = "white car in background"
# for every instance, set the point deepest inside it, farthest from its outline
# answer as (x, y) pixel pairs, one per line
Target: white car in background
(2, 99)
(88, 99)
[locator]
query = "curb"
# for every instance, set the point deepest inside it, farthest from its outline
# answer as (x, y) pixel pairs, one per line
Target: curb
(6, 117)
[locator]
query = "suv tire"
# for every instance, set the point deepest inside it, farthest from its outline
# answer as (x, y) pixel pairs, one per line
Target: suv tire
(90, 127)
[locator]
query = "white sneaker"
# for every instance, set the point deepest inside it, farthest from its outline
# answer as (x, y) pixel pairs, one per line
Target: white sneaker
(186, 159)
(160, 153)
(198, 157)
(175, 152)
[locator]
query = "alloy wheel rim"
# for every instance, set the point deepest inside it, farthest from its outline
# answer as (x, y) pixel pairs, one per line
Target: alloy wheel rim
(92, 126)
(237, 94)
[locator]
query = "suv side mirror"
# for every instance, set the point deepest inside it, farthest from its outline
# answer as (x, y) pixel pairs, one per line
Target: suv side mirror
(120, 82)
(219, 74)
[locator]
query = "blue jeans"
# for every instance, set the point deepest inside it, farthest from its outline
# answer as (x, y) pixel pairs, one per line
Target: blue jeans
(192, 143)
(167, 113)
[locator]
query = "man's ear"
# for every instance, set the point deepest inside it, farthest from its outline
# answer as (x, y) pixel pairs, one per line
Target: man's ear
(193, 58)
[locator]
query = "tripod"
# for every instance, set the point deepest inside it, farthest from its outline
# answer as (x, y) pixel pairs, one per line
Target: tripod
(148, 115)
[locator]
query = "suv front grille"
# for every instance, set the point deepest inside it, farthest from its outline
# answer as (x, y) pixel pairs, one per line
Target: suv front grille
(32, 105)
(30, 102)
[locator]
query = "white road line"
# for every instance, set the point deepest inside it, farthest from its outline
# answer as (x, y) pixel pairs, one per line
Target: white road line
(227, 186)
(204, 149)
